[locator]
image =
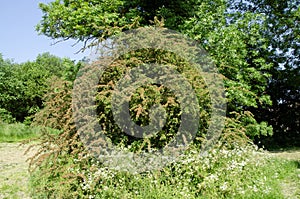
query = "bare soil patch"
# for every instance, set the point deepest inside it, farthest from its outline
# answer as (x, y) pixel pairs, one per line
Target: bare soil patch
(288, 154)
(14, 171)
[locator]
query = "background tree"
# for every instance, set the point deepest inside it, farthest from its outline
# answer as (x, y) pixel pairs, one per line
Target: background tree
(24, 85)
(282, 30)
(10, 88)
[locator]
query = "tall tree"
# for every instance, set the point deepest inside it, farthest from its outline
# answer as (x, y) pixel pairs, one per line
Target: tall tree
(88, 20)
(282, 35)
(234, 40)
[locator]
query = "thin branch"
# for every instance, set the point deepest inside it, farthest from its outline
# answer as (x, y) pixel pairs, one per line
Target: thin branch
(61, 40)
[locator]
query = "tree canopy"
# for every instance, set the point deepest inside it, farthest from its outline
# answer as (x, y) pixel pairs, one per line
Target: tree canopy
(255, 45)
(282, 36)
(24, 85)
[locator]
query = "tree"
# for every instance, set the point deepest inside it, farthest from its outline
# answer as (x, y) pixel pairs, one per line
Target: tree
(233, 39)
(24, 85)
(10, 87)
(282, 36)
(92, 20)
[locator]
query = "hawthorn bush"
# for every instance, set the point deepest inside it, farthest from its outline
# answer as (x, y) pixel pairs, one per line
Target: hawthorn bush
(68, 169)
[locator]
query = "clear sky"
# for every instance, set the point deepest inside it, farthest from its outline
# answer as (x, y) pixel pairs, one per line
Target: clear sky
(18, 39)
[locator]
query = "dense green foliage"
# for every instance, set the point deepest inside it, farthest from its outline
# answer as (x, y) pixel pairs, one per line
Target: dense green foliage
(238, 173)
(10, 89)
(238, 39)
(147, 96)
(24, 85)
(232, 39)
(254, 44)
(281, 32)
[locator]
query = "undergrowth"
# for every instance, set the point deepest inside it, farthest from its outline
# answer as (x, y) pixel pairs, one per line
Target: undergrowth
(238, 173)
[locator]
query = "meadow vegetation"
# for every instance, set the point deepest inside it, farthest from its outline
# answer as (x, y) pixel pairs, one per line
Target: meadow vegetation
(243, 172)
(17, 132)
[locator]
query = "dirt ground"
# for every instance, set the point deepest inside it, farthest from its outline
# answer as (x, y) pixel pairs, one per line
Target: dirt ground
(13, 171)
(289, 155)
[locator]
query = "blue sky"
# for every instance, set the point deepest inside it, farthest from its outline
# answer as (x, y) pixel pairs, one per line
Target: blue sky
(18, 39)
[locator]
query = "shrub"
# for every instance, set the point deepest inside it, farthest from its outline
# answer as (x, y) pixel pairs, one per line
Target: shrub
(5, 116)
(64, 168)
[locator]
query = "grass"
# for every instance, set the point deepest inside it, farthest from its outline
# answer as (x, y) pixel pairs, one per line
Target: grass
(11, 191)
(281, 174)
(290, 184)
(14, 171)
(264, 177)
(17, 132)
(290, 179)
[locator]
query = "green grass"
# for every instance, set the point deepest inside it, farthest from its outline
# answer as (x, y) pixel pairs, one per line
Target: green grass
(11, 191)
(278, 174)
(17, 132)
(289, 178)
(14, 170)
(242, 173)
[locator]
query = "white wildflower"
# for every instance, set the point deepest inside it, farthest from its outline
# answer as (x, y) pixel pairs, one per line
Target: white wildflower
(224, 186)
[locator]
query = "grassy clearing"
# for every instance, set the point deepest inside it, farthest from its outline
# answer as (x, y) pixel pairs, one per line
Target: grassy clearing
(290, 185)
(264, 176)
(240, 173)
